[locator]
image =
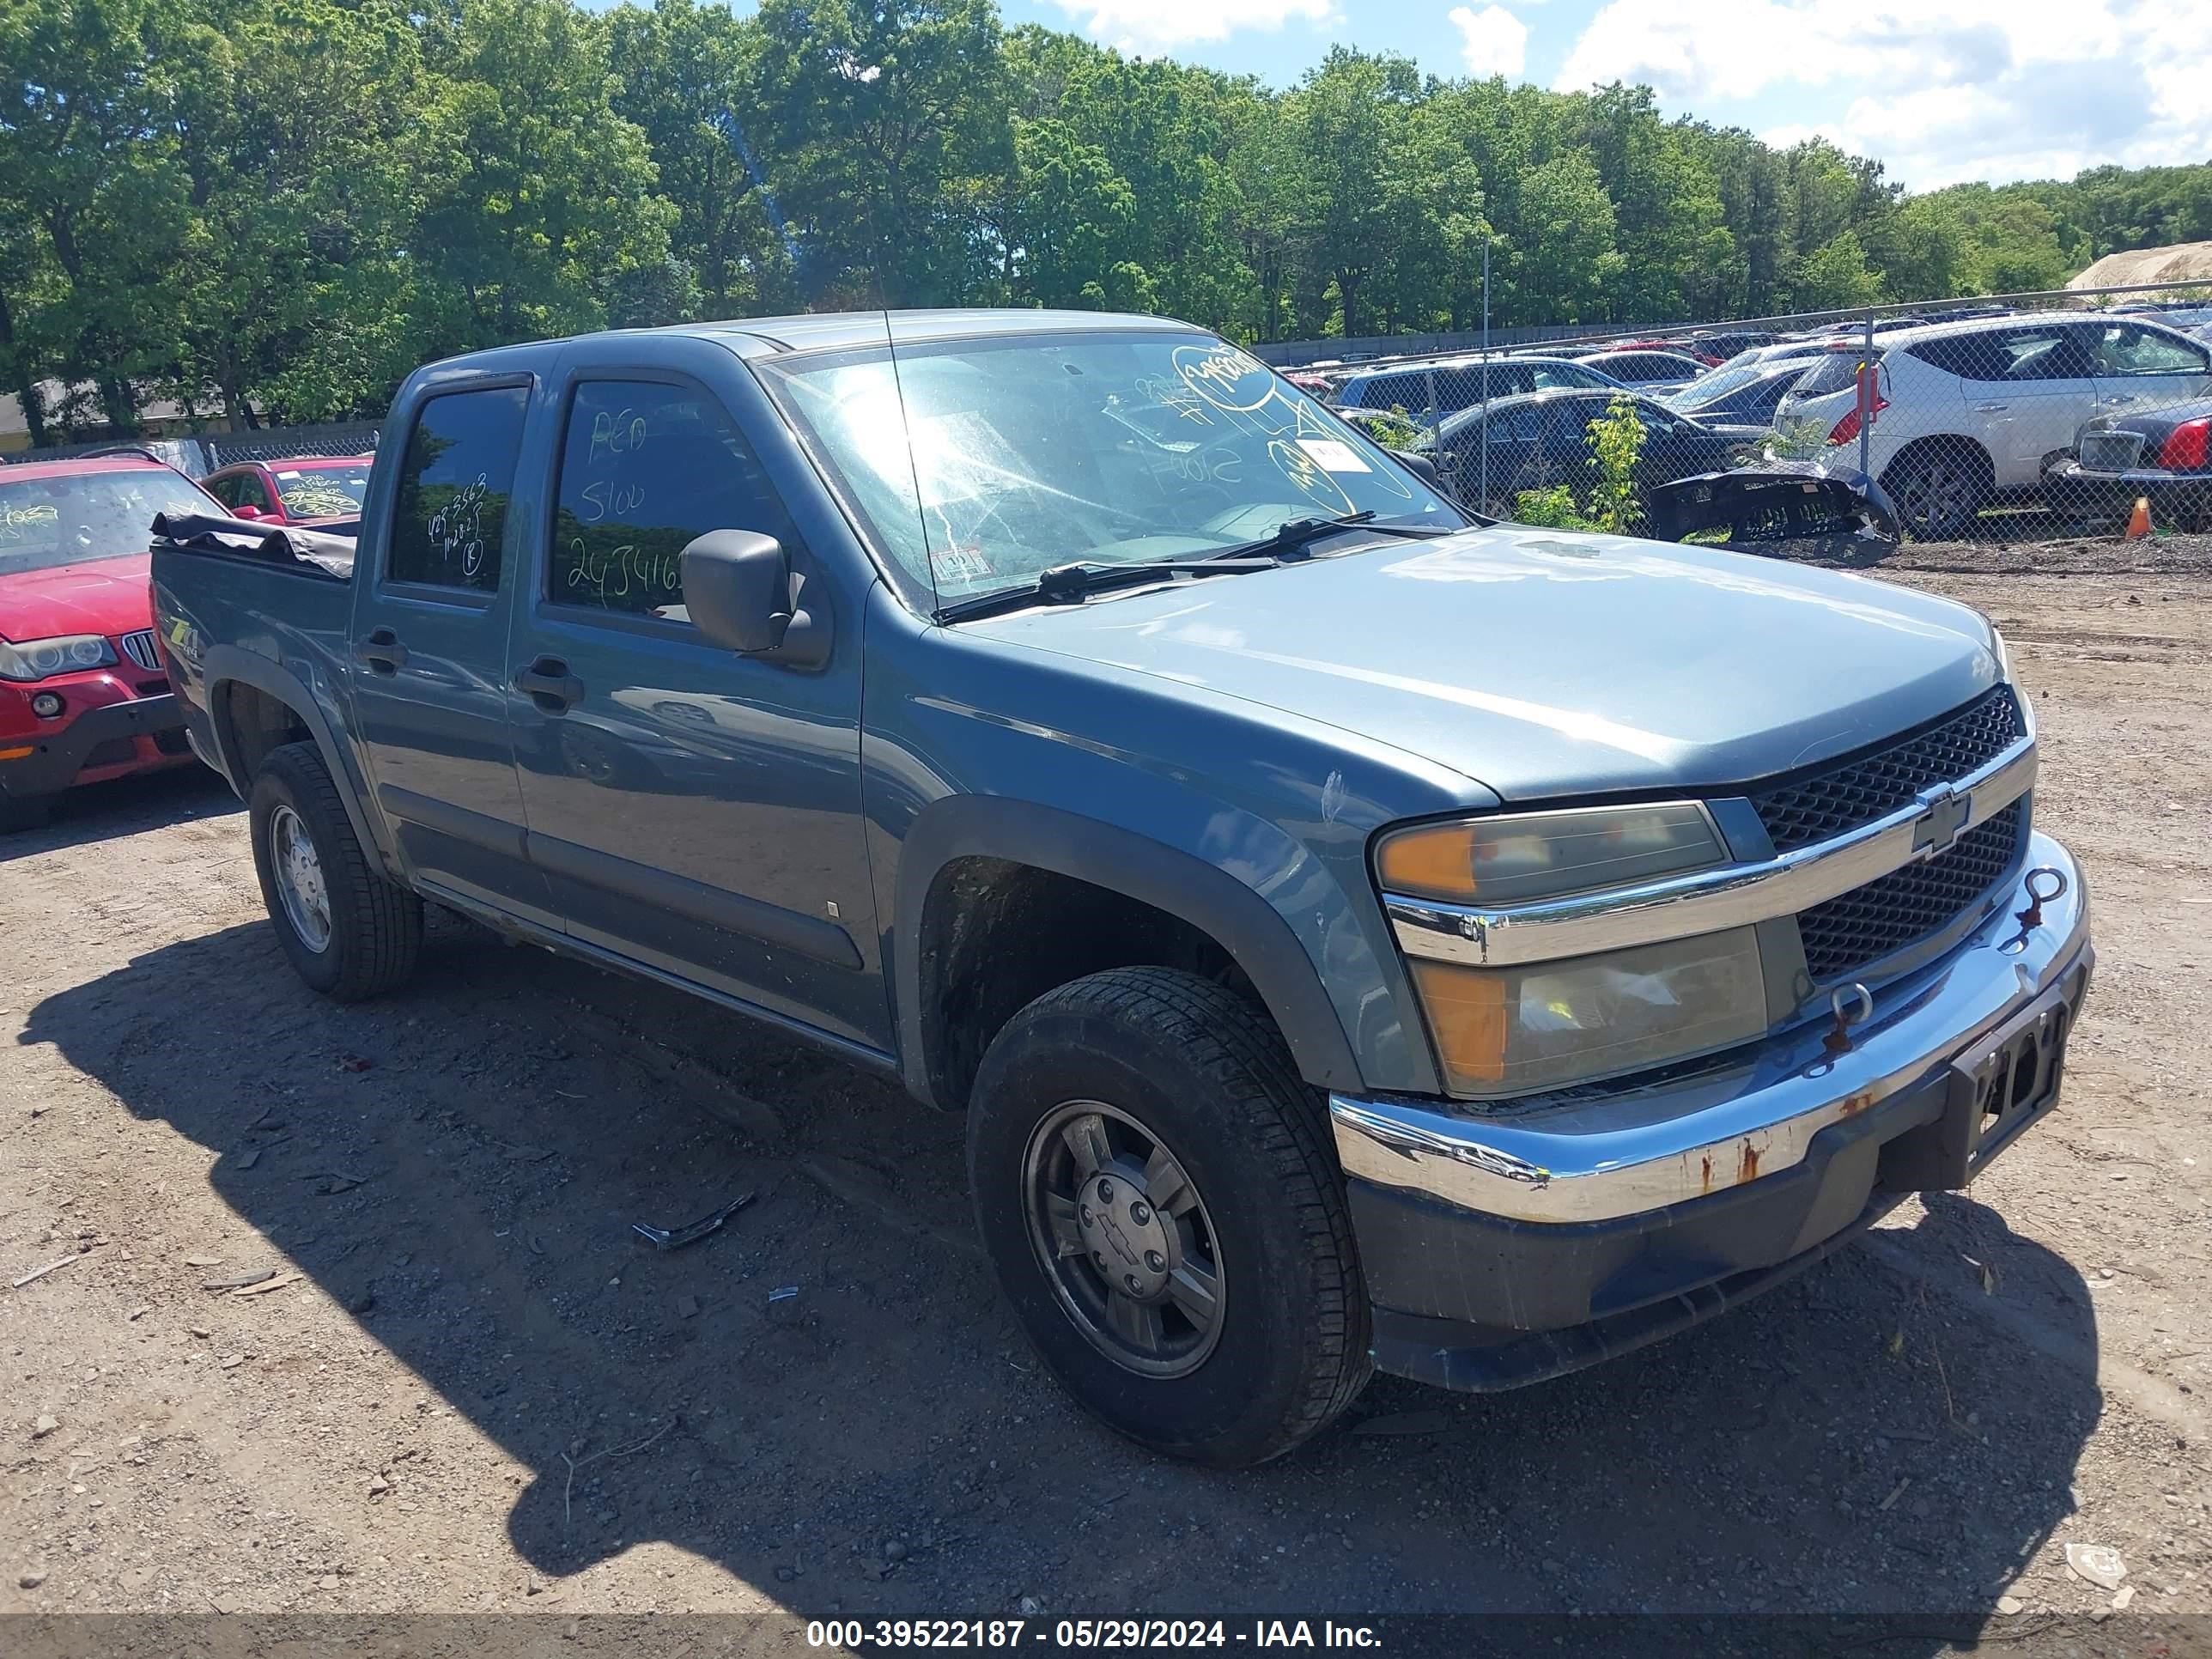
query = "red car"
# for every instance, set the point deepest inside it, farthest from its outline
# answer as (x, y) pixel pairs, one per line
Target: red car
(311, 490)
(82, 695)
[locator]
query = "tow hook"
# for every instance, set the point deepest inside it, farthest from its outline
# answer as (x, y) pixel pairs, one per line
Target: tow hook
(2046, 884)
(1852, 1005)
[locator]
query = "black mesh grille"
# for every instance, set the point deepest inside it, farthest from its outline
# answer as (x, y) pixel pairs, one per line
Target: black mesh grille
(1862, 789)
(1907, 905)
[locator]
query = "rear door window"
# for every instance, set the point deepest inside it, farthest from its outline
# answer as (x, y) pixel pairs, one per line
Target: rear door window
(645, 467)
(449, 516)
(2042, 351)
(2130, 348)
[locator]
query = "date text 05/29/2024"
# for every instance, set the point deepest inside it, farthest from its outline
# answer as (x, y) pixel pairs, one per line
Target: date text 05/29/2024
(1087, 1634)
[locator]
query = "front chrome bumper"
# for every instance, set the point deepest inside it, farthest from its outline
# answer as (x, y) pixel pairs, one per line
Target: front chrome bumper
(1628, 1153)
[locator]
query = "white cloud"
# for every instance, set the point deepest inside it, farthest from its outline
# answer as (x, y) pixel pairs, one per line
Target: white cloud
(1152, 27)
(1493, 41)
(1940, 90)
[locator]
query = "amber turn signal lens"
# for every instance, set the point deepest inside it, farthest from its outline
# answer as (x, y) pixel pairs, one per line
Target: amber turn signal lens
(1438, 862)
(1467, 1012)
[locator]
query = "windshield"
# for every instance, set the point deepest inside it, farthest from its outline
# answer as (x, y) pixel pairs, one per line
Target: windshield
(1716, 385)
(982, 464)
(322, 492)
(87, 515)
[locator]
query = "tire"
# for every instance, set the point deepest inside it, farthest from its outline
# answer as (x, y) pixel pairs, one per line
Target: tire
(1178, 1063)
(1938, 495)
(372, 930)
(23, 811)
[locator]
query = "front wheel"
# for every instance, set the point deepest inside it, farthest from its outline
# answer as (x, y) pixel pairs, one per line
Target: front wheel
(1152, 1185)
(349, 932)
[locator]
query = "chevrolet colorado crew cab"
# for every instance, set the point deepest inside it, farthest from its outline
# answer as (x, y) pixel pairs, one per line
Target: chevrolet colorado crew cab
(1358, 935)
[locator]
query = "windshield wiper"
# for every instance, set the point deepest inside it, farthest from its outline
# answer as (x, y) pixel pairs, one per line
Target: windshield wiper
(1294, 536)
(1070, 584)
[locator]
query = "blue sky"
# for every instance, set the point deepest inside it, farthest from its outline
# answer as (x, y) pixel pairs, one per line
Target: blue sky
(1938, 90)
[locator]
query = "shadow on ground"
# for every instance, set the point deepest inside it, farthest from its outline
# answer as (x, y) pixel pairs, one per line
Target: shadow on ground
(1850, 1441)
(124, 806)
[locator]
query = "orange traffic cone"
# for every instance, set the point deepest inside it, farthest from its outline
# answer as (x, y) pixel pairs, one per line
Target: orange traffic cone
(2139, 520)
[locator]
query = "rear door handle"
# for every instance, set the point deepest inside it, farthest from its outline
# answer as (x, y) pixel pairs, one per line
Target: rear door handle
(381, 651)
(550, 685)
(1991, 408)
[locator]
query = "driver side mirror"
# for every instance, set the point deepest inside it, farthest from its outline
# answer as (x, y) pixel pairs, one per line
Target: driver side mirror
(740, 593)
(244, 511)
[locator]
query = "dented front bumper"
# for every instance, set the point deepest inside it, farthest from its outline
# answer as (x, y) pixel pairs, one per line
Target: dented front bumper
(1501, 1246)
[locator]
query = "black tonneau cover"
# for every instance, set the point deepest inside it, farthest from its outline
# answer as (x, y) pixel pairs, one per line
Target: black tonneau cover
(327, 552)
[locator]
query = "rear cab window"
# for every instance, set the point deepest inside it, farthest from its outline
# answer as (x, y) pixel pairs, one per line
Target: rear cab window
(449, 513)
(646, 468)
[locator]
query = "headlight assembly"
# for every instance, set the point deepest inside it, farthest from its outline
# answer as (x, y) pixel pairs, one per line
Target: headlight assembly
(1539, 856)
(38, 659)
(1516, 1030)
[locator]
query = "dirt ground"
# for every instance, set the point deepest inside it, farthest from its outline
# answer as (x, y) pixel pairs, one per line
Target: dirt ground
(473, 1390)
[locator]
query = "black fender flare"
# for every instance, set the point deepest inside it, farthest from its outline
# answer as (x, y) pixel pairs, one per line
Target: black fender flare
(229, 665)
(1067, 843)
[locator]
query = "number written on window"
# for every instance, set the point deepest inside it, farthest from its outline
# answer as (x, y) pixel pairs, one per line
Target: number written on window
(645, 469)
(453, 489)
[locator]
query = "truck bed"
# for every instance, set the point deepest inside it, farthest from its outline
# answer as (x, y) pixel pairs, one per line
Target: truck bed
(269, 608)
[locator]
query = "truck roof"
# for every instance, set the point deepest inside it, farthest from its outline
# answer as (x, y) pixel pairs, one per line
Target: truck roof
(833, 331)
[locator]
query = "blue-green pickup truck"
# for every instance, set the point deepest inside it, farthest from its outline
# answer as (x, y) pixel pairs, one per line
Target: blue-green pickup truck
(1357, 935)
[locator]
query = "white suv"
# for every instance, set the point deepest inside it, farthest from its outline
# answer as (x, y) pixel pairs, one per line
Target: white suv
(1966, 413)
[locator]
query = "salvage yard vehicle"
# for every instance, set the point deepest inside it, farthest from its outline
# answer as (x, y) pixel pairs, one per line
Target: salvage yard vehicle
(1544, 440)
(309, 489)
(1740, 395)
(1968, 414)
(1461, 382)
(1356, 938)
(82, 697)
(1647, 370)
(2163, 456)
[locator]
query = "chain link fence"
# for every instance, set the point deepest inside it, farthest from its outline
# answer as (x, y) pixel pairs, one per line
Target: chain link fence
(201, 454)
(2030, 417)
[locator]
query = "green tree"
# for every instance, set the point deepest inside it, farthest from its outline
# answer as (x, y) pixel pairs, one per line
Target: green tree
(1068, 223)
(889, 121)
(1567, 262)
(538, 197)
(690, 82)
(1835, 277)
(292, 132)
(87, 110)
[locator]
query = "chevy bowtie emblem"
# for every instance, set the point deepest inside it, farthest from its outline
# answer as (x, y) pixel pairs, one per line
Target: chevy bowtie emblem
(1939, 826)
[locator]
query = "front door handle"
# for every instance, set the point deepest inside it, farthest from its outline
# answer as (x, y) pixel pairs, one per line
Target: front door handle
(1991, 408)
(381, 651)
(550, 685)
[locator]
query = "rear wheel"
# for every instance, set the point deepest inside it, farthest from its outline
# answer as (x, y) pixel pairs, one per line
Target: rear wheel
(348, 931)
(1152, 1185)
(1938, 491)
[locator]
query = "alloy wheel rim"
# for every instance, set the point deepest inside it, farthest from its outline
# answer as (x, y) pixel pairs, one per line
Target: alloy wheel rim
(1122, 1231)
(299, 882)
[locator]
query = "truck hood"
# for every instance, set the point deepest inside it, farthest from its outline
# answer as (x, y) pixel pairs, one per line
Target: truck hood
(1544, 663)
(99, 596)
